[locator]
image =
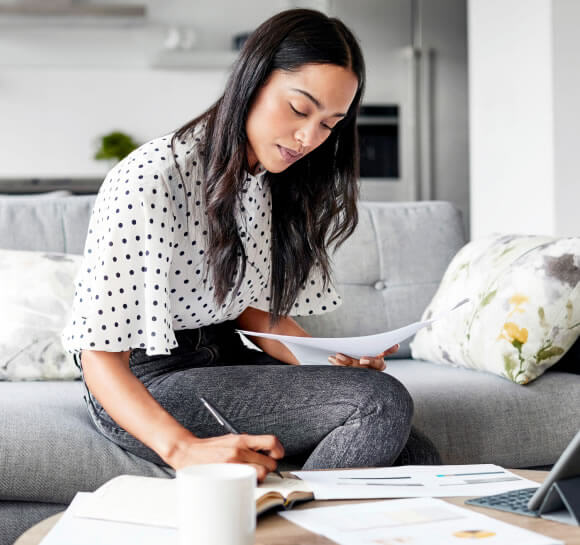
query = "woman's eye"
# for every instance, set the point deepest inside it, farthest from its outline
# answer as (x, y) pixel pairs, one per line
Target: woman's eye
(301, 114)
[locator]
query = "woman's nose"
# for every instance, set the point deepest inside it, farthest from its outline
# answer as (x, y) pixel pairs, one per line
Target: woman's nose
(308, 136)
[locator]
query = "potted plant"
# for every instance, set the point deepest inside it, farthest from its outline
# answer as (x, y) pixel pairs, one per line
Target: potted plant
(115, 146)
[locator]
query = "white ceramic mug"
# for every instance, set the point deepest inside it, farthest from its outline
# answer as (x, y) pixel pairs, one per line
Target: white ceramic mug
(216, 504)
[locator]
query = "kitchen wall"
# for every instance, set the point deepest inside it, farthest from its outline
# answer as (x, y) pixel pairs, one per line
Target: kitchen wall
(63, 85)
(524, 116)
(566, 44)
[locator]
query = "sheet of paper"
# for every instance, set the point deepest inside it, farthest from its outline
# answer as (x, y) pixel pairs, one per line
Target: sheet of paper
(413, 482)
(418, 521)
(315, 350)
(139, 500)
(71, 530)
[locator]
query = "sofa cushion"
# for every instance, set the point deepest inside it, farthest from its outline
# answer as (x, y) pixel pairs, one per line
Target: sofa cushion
(57, 194)
(36, 293)
(389, 269)
(474, 417)
(524, 312)
(51, 225)
(17, 517)
(50, 449)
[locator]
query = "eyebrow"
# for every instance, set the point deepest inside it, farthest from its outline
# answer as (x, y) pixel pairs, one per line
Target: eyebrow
(315, 101)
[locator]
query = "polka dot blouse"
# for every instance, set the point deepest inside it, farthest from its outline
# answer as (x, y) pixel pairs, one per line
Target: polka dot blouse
(143, 273)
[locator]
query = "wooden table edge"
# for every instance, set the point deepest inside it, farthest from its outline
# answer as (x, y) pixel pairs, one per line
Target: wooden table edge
(274, 529)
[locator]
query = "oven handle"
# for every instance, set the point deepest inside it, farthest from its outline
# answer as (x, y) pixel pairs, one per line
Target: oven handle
(426, 123)
(368, 120)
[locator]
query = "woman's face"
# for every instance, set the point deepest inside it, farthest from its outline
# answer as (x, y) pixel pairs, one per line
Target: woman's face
(294, 112)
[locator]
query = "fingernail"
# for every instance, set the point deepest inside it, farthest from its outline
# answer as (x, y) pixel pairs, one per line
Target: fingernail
(364, 362)
(330, 359)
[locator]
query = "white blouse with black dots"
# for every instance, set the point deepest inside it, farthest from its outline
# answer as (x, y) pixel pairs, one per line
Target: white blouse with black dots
(143, 273)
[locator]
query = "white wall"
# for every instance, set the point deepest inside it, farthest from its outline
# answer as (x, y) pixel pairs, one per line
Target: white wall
(510, 109)
(523, 113)
(566, 17)
(61, 87)
(51, 119)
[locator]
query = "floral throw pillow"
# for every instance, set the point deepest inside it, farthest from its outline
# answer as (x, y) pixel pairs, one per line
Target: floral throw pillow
(524, 309)
(36, 294)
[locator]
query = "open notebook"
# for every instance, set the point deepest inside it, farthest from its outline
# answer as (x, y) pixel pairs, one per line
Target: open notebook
(153, 500)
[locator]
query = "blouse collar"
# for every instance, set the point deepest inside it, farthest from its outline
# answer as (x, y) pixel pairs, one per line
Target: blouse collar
(259, 176)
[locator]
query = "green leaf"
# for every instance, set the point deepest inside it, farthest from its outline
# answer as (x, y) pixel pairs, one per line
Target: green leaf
(542, 316)
(487, 299)
(115, 145)
(508, 249)
(547, 352)
(510, 366)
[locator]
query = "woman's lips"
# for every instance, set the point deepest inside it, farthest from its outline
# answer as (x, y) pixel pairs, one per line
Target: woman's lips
(288, 155)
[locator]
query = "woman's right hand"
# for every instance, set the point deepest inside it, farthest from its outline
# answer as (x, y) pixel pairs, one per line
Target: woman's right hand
(231, 448)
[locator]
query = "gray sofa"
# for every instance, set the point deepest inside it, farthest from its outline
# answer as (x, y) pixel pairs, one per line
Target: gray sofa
(387, 273)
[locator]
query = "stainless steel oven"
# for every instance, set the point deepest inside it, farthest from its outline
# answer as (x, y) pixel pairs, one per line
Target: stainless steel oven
(386, 158)
(378, 132)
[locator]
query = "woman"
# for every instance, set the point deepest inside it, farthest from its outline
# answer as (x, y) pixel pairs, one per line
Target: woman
(226, 224)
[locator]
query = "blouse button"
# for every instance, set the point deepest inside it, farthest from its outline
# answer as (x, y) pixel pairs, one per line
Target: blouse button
(380, 285)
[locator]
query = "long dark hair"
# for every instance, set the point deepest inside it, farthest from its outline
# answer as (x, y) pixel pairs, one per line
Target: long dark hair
(314, 201)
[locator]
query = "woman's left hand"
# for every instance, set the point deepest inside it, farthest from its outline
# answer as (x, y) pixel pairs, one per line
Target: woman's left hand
(366, 362)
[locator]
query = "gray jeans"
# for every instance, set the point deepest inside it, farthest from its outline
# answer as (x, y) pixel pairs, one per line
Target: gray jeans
(324, 416)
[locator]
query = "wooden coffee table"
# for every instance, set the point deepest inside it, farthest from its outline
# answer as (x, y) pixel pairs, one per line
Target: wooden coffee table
(274, 530)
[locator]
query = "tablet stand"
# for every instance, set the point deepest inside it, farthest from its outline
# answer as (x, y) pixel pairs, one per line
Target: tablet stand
(562, 502)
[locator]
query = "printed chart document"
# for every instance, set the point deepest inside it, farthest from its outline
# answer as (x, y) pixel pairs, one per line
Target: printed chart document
(315, 350)
(413, 482)
(417, 521)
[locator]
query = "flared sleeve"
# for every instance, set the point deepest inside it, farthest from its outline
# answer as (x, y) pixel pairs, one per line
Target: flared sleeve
(122, 292)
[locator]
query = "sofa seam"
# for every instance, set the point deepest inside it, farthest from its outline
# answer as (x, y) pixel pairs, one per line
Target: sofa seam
(400, 285)
(377, 242)
(64, 241)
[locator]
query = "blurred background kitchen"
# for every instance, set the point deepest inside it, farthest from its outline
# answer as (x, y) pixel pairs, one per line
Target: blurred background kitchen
(468, 101)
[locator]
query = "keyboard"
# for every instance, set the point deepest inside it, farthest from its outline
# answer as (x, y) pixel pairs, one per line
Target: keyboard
(514, 501)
